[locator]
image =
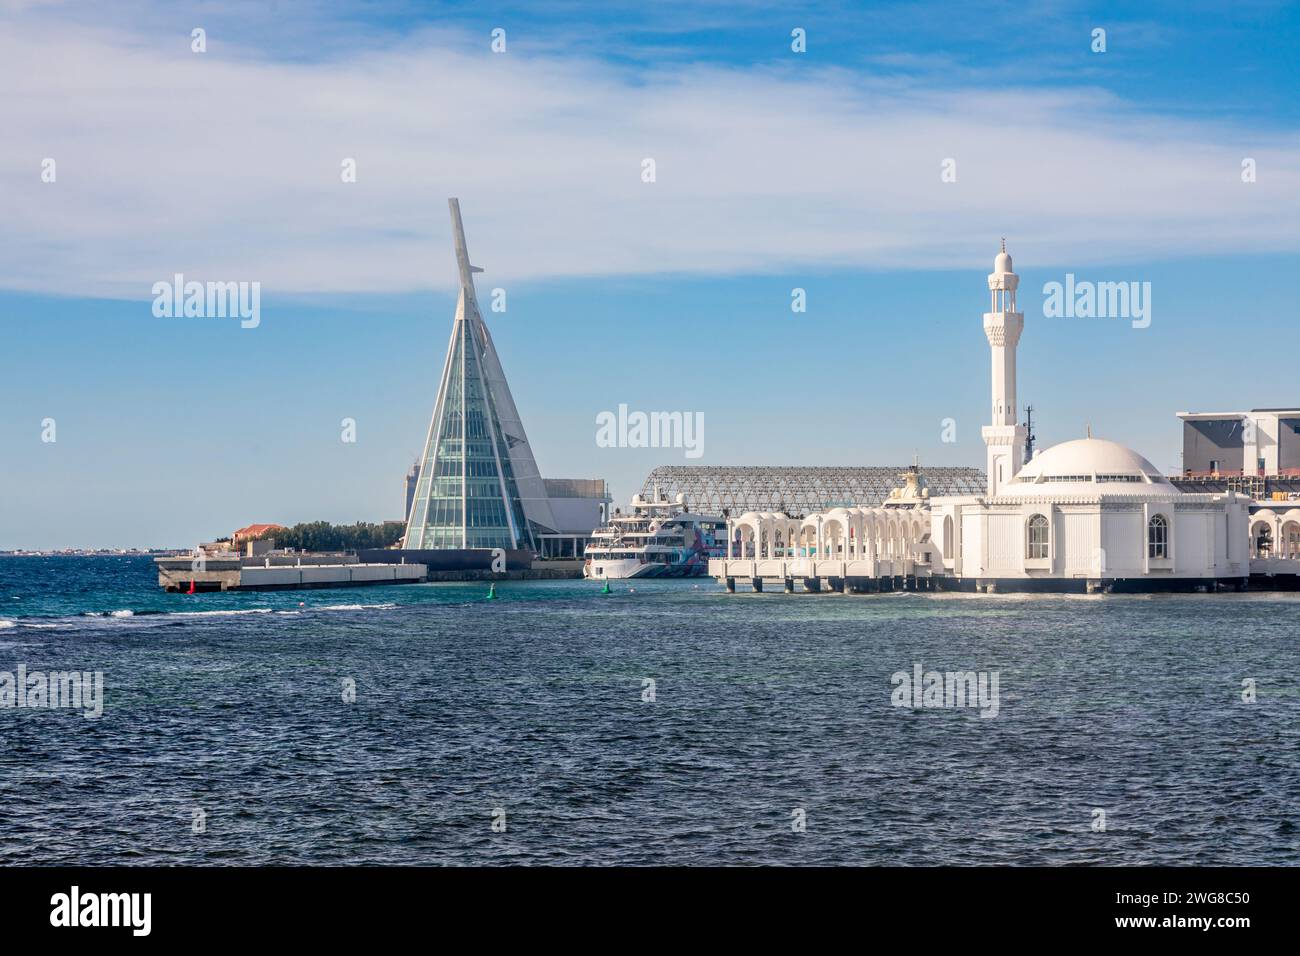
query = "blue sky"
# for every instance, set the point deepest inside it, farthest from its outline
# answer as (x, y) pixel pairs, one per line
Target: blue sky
(775, 170)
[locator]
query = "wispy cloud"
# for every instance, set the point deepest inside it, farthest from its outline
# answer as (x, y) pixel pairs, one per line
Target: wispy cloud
(227, 165)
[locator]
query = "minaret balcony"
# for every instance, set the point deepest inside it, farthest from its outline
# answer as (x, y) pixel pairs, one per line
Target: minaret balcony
(1003, 328)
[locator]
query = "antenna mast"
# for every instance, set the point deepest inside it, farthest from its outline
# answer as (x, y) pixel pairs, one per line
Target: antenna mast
(1029, 429)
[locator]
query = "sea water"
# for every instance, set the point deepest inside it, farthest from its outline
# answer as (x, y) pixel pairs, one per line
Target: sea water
(663, 723)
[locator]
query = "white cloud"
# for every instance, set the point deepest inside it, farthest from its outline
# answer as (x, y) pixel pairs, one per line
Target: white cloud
(226, 165)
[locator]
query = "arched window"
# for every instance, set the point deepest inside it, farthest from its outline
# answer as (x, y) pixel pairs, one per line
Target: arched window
(947, 536)
(1158, 537)
(1036, 538)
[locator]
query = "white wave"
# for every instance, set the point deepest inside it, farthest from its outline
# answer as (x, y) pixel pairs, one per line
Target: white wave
(226, 613)
(4, 624)
(216, 612)
(352, 607)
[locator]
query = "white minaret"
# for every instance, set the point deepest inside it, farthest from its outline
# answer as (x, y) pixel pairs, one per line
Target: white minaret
(1004, 437)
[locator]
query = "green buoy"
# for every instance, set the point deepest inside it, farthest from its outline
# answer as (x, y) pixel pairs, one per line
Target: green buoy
(605, 589)
(492, 590)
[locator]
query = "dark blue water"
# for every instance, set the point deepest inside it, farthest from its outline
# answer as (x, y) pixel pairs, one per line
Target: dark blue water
(765, 704)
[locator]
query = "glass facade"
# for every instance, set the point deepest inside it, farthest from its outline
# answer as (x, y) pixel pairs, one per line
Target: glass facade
(466, 495)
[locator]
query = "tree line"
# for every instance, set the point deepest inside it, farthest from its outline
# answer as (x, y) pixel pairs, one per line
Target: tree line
(323, 536)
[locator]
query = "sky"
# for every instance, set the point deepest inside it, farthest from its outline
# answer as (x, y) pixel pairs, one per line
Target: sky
(876, 170)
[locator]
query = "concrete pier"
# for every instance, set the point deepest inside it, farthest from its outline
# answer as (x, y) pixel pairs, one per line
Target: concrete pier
(230, 574)
(835, 575)
(286, 572)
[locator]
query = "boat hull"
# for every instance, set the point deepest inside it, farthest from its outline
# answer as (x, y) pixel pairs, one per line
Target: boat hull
(632, 568)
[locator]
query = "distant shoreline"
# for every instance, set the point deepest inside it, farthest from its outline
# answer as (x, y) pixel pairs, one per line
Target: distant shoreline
(95, 553)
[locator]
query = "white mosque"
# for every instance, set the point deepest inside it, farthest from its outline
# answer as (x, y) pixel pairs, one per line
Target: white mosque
(1086, 515)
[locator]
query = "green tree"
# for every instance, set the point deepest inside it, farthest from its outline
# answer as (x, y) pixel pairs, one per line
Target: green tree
(323, 536)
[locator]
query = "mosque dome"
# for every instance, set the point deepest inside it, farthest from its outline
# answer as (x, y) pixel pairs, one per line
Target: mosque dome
(1003, 262)
(1090, 466)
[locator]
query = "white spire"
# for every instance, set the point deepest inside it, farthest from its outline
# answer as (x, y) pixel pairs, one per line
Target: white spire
(478, 485)
(1002, 327)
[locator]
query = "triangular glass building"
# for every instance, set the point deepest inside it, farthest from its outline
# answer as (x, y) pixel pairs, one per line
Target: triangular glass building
(479, 486)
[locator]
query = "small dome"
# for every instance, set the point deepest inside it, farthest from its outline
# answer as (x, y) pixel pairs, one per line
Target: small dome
(1003, 262)
(1090, 466)
(1089, 455)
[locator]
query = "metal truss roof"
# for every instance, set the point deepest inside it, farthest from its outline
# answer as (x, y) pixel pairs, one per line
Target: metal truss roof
(797, 490)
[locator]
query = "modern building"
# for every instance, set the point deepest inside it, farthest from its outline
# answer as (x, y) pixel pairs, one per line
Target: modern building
(1261, 442)
(478, 485)
(579, 506)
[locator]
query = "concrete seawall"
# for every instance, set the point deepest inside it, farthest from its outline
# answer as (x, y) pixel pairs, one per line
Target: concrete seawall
(217, 574)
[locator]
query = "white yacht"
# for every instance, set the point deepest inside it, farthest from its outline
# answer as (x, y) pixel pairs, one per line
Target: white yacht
(656, 539)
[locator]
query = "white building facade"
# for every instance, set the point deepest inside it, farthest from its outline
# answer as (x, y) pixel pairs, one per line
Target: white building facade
(1092, 515)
